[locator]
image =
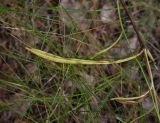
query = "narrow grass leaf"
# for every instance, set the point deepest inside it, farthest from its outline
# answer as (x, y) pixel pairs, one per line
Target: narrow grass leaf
(59, 59)
(108, 48)
(131, 99)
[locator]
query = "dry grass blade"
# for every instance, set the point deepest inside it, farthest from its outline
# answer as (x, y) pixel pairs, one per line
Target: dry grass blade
(152, 88)
(131, 100)
(59, 59)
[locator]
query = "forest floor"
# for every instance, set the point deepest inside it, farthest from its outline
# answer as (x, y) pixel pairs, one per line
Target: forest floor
(37, 90)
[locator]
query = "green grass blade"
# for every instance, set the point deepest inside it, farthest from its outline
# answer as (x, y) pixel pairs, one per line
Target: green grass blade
(108, 48)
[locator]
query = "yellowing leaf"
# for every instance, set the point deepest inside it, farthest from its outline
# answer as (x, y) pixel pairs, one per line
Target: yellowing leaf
(59, 59)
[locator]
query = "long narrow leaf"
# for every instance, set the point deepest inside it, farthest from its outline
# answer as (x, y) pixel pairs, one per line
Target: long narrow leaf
(108, 48)
(59, 59)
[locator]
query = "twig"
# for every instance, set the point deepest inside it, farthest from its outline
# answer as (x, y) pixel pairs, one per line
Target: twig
(140, 39)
